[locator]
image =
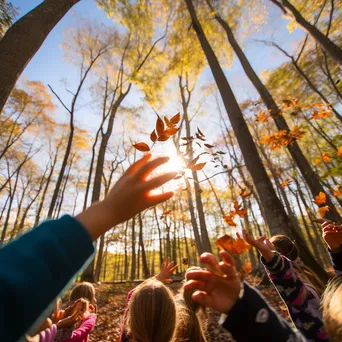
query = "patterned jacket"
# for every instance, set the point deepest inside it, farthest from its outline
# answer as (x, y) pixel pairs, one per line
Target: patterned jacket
(300, 298)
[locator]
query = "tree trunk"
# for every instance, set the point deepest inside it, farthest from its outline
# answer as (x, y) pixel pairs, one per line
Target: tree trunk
(126, 256)
(330, 47)
(23, 40)
(146, 271)
(160, 237)
(275, 214)
(302, 163)
(133, 268)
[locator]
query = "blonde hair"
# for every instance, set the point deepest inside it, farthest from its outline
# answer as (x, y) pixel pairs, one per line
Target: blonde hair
(83, 290)
(286, 247)
(152, 313)
(332, 310)
(189, 326)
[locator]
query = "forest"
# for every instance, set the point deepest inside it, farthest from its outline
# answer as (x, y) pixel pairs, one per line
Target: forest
(244, 96)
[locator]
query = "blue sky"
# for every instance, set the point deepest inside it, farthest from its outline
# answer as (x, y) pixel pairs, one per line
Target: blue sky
(49, 66)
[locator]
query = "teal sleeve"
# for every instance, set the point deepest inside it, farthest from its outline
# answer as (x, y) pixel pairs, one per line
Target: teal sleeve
(35, 268)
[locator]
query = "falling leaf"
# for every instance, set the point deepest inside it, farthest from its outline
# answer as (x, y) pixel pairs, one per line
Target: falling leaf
(198, 166)
(326, 157)
(171, 131)
(175, 119)
(247, 267)
(167, 212)
(337, 191)
(200, 191)
(245, 193)
(200, 132)
(228, 219)
(163, 137)
(160, 127)
(262, 117)
(317, 161)
(220, 152)
(286, 183)
(339, 151)
(233, 246)
(239, 211)
(153, 136)
(185, 261)
(321, 198)
(192, 163)
(167, 121)
(323, 210)
(208, 145)
(198, 144)
(142, 147)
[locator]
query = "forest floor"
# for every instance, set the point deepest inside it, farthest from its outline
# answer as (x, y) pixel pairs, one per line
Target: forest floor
(111, 300)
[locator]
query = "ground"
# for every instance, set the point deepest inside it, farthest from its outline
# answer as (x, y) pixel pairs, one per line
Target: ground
(111, 304)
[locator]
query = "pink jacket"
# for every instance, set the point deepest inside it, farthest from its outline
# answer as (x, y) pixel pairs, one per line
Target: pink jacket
(81, 334)
(48, 334)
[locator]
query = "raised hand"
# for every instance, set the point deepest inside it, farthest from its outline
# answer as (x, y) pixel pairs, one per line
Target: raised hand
(211, 290)
(166, 270)
(263, 245)
(69, 320)
(129, 196)
(332, 235)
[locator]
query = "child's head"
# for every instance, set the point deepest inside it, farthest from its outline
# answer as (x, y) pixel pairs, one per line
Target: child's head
(83, 290)
(286, 247)
(189, 326)
(332, 310)
(152, 313)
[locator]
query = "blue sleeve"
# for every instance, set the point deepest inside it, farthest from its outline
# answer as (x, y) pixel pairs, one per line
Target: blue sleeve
(35, 268)
(336, 260)
(251, 319)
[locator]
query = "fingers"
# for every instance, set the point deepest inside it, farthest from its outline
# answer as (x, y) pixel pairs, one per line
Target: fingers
(211, 263)
(194, 285)
(202, 298)
(200, 275)
(156, 199)
(158, 181)
(171, 270)
(228, 264)
(138, 164)
(247, 237)
(270, 245)
(144, 171)
(326, 223)
(227, 258)
(170, 264)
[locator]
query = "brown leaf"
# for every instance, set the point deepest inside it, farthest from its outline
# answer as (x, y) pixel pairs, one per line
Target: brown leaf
(233, 246)
(175, 119)
(200, 132)
(208, 145)
(167, 212)
(153, 136)
(171, 131)
(142, 147)
(229, 220)
(245, 193)
(185, 261)
(200, 191)
(160, 127)
(192, 163)
(167, 121)
(198, 167)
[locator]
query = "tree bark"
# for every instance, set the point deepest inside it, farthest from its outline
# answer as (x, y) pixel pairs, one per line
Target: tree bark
(133, 268)
(275, 214)
(23, 40)
(146, 271)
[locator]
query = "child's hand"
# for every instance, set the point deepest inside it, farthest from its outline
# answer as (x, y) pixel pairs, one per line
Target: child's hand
(166, 271)
(263, 245)
(69, 321)
(211, 290)
(332, 235)
(129, 196)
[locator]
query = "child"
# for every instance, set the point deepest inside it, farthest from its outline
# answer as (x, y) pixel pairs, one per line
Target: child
(35, 268)
(249, 316)
(151, 313)
(299, 288)
(84, 290)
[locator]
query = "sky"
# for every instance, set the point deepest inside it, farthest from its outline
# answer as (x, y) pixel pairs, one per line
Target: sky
(50, 67)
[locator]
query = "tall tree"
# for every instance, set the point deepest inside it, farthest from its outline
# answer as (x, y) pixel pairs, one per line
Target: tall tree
(23, 40)
(275, 214)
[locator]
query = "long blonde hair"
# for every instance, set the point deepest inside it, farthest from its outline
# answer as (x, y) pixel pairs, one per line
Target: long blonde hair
(152, 313)
(287, 248)
(332, 310)
(83, 290)
(189, 325)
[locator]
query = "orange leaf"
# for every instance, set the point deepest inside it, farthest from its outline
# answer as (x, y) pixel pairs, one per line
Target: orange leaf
(337, 191)
(153, 136)
(171, 131)
(229, 221)
(167, 212)
(339, 151)
(142, 147)
(175, 119)
(247, 267)
(286, 183)
(245, 193)
(160, 127)
(321, 198)
(198, 167)
(261, 117)
(323, 210)
(208, 145)
(163, 137)
(167, 121)
(326, 157)
(239, 211)
(231, 245)
(317, 161)
(192, 163)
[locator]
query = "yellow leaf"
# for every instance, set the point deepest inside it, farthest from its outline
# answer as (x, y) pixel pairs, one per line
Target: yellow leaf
(321, 198)
(339, 151)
